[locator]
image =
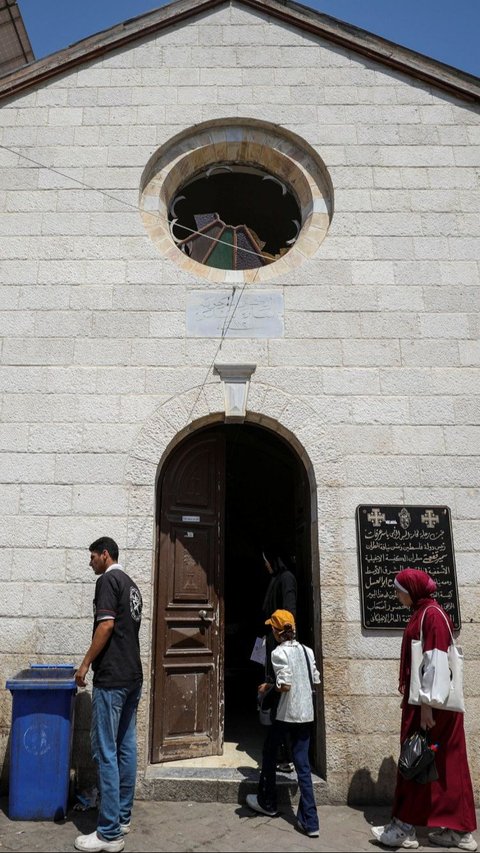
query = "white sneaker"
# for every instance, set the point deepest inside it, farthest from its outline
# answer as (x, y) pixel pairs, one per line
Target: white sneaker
(312, 833)
(95, 844)
(392, 835)
(125, 827)
(253, 803)
(451, 838)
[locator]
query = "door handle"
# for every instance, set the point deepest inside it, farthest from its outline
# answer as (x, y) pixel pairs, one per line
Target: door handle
(204, 617)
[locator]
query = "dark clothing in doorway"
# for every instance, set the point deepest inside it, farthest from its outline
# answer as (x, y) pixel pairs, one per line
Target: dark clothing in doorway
(281, 594)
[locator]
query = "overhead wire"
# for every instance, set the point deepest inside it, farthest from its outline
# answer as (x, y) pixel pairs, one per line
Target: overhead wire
(85, 185)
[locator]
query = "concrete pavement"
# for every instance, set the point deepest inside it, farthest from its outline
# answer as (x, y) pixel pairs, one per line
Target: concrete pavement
(192, 826)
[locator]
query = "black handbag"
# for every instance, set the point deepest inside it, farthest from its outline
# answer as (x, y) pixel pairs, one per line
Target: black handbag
(417, 758)
(267, 703)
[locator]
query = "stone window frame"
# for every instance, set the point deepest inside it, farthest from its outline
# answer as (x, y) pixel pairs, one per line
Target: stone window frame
(279, 151)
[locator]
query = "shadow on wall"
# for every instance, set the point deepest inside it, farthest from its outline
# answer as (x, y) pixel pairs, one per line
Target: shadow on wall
(365, 791)
(5, 771)
(82, 766)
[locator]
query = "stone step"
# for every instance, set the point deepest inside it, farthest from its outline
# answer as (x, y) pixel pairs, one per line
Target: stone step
(162, 782)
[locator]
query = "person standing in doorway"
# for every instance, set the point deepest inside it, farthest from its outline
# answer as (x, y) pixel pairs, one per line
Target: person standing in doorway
(114, 655)
(281, 594)
(295, 674)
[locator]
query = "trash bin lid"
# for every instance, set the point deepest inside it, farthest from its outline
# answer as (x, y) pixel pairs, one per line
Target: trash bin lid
(44, 676)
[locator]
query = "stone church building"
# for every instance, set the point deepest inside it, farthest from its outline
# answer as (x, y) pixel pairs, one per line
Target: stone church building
(239, 309)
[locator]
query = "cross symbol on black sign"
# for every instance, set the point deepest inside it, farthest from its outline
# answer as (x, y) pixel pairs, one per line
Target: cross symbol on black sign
(376, 517)
(429, 518)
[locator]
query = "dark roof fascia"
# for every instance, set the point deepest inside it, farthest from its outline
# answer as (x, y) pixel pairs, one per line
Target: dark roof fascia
(93, 47)
(455, 82)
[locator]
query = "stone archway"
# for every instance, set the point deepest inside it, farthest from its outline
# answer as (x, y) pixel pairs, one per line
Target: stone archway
(289, 416)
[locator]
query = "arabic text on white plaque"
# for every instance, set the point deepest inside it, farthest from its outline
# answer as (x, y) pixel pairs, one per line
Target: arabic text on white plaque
(243, 314)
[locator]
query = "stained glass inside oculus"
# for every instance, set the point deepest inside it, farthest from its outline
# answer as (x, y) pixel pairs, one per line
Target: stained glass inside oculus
(234, 217)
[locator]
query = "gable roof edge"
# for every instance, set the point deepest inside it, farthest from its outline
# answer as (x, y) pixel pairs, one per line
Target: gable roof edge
(103, 42)
(376, 48)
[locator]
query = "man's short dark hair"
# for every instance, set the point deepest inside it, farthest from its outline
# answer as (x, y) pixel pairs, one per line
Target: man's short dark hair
(105, 543)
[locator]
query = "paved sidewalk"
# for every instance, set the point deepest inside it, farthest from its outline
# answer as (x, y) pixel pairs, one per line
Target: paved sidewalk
(189, 826)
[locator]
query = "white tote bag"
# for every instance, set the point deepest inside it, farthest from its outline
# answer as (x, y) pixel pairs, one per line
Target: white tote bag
(454, 700)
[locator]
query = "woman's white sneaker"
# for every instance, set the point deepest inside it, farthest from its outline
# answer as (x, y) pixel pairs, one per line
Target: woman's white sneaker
(452, 838)
(392, 835)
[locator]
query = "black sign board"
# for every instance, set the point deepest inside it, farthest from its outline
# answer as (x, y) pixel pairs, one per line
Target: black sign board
(392, 538)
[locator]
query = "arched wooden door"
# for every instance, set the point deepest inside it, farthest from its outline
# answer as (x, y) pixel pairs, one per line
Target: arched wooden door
(187, 707)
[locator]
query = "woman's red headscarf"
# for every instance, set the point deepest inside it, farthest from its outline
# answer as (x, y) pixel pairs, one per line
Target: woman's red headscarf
(417, 583)
(420, 587)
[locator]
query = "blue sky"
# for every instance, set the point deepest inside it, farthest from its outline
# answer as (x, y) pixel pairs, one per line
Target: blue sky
(444, 29)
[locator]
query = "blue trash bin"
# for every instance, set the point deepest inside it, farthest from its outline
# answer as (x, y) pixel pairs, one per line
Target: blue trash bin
(40, 745)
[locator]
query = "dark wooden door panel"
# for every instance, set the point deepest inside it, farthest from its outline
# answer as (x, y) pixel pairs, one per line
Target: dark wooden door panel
(188, 710)
(188, 676)
(187, 637)
(192, 551)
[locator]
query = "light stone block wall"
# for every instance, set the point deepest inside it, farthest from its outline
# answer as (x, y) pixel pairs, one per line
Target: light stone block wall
(381, 341)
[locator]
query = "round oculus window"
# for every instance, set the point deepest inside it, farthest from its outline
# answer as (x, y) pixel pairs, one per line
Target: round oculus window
(236, 200)
(234, 217)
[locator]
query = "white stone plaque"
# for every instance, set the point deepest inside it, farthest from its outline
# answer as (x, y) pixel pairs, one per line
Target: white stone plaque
(242, 314)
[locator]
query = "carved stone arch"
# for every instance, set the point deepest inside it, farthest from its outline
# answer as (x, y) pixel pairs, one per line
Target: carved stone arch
(286, 414)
